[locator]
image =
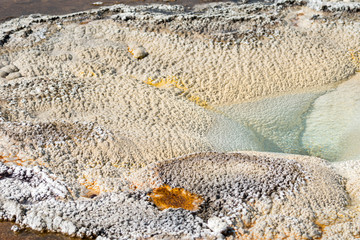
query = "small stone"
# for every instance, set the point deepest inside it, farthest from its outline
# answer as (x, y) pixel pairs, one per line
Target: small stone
(13, 76)
(138, 51)
(97, 3)
(15, 228)
(3, 74)
(67, 227)
(102, 238)
(10, 68)
(217, 225)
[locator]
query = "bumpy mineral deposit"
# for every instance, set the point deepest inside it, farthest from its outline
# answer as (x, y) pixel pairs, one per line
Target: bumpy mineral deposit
(164, 122)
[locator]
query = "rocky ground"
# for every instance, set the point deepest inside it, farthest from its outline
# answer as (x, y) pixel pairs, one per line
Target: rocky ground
(104, 114)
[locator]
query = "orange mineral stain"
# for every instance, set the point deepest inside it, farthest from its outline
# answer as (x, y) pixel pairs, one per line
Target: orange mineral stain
(355, 56)
(176, 83)
(91, 185)
(166, 197)
(21, 162)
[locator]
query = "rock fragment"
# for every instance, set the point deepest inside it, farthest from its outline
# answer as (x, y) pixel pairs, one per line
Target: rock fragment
(15, 228)
(217, 225)
(137, 50)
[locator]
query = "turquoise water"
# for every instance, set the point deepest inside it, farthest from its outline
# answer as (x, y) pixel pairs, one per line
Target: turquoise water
(273, 124)
(325, 124)
(333, 126)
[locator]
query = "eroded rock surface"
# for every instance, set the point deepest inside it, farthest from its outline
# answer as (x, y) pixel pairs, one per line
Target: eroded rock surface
(293, 192)
(93, 119)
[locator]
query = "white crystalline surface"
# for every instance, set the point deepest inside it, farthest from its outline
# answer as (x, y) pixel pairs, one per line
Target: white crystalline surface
(99, 108)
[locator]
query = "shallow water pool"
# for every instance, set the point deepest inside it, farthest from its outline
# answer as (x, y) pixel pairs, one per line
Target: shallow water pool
(324, 124)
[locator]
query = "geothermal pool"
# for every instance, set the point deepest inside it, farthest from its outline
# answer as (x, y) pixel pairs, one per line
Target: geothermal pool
(233, 120)
(321, 124)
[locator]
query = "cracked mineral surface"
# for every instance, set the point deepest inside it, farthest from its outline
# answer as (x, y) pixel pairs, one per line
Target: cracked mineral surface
(223, 102)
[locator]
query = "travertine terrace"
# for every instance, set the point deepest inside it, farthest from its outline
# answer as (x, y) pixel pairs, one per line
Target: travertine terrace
(101, 109)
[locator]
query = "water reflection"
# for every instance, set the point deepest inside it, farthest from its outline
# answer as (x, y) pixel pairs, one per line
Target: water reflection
(6, 233)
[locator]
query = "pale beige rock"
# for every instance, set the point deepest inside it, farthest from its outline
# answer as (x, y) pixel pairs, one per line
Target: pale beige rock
(80, 105)
(138, 51)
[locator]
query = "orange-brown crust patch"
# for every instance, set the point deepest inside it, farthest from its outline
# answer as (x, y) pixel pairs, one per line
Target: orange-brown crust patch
(166, 197)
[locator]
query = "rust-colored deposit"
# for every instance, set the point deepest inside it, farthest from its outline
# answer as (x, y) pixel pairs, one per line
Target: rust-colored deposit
(92, 186)
(21, 162)
(166, 197)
